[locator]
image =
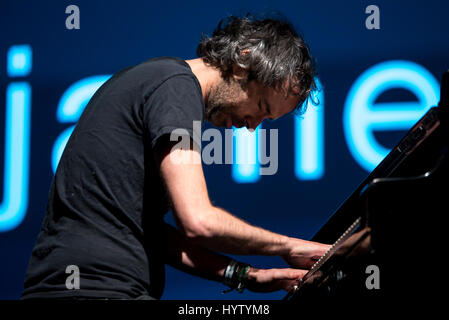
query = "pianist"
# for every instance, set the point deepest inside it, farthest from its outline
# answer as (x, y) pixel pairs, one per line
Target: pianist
(104, 236)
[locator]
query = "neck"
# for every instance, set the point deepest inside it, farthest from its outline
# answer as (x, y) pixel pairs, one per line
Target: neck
(207, 76)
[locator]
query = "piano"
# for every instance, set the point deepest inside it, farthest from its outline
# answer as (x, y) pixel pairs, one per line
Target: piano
(387, 237)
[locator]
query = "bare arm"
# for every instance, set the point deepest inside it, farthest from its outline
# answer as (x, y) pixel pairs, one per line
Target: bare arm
(186, 256)
(217, 229)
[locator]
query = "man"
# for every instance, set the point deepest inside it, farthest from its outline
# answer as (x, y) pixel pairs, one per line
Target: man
(116, 178)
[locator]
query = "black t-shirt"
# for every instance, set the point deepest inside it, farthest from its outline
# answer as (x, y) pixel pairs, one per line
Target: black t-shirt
(107, 201)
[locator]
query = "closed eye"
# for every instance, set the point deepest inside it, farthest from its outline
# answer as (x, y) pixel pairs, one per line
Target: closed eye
(268, 110)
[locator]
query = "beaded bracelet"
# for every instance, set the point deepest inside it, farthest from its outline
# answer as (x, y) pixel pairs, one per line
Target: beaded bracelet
(235, 276)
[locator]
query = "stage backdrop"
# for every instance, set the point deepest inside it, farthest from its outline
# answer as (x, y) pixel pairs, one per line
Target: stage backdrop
(379, 65)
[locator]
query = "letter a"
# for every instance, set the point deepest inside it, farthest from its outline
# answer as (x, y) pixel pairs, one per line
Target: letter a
(72, 281)
(72, 21)
(373, 20)
(373, 280)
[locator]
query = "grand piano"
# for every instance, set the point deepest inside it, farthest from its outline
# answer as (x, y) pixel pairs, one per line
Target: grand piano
(388, 236)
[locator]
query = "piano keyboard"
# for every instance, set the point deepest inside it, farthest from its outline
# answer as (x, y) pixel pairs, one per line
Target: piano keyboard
(329, 252)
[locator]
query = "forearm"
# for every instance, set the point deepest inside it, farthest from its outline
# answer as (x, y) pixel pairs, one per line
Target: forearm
(186, 256)
(216, 229)
(224, 232)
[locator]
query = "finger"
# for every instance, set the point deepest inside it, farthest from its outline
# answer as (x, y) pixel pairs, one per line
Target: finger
(300, 262)
(288, 274)
(276, 285)
(287, 285)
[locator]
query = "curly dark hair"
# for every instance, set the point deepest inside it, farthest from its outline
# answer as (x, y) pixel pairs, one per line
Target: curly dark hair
(276, 54)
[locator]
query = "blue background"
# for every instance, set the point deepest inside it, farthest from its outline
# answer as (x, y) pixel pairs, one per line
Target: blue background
(116, 34)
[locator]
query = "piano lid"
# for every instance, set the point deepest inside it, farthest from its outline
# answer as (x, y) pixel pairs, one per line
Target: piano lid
(415, 152)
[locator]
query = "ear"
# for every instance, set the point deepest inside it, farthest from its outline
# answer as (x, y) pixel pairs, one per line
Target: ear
(238, 73)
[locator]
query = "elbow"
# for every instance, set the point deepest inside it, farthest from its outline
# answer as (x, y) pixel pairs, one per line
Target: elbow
(197, 228)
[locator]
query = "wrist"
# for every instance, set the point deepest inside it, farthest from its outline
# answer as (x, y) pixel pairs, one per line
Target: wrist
(290, 244)
(236, 275)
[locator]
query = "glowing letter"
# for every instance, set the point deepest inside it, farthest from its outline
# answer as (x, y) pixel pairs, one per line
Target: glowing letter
(361, 116)
(70, 107)
(245, 168)
(17, 140)
(309, 139)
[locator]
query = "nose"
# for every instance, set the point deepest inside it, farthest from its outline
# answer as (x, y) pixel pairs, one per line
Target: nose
(253, 123)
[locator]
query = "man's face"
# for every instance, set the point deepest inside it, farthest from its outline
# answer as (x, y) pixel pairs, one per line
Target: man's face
(228, 104)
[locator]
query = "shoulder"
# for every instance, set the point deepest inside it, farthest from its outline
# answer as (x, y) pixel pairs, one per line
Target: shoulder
(163, 72)
(165, 67)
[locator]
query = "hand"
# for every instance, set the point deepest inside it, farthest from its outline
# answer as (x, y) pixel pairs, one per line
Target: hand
(269, 280)
(304, 254)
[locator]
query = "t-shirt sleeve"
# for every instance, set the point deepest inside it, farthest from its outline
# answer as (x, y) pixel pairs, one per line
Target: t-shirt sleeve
(177, 103)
